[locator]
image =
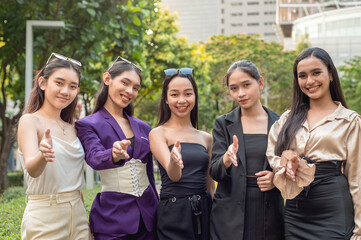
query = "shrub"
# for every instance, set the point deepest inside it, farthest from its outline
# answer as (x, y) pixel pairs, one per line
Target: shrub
(12, 206)
(16, 178)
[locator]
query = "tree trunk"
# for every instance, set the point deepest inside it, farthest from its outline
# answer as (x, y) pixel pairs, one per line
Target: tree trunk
(8, 139)
(7, 144)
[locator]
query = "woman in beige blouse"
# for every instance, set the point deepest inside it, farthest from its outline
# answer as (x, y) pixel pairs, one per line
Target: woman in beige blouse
(315, 152)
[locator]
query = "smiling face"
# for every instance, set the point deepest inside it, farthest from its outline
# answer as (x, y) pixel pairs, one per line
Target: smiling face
(61, 87)
(314, 78)
(244, 89)
(122, 89)
(180, 97)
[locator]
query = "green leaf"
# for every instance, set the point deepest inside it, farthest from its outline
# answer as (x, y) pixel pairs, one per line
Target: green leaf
(136, 20)
(91, 11)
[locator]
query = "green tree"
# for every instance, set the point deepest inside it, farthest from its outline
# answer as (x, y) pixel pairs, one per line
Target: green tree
(274, 63)
(303, 44)
(350, 76)
(95, 33)
(165, 50)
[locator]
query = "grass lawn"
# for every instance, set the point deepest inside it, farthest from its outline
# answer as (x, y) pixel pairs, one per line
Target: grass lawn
(12, 205)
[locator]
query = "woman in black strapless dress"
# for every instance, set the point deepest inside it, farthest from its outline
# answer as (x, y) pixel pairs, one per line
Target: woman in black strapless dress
(183, 153)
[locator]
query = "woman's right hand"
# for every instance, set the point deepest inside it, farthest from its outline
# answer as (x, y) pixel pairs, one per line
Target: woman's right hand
(46, 147)
(119, 150)
(291, 164)
(176, 156)
(230, 157)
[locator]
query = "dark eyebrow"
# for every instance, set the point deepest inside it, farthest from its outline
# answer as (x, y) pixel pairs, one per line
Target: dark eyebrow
(62, 79)
(315, 69)
(235, 85)
(189, 89)
(246, 81)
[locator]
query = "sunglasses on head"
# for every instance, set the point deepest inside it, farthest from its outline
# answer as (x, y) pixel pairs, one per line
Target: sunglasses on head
(121, 59)
(61, 57)
(171, 71)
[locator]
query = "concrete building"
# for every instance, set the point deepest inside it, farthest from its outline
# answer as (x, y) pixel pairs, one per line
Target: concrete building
(330, 24)
(250, 17)
(200, 19)
(337, 31)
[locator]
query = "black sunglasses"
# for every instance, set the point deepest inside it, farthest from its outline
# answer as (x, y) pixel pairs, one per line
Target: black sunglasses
(61, 57)
(171, 71)
(119, 58)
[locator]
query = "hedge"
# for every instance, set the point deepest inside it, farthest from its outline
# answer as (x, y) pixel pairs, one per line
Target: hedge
(12, 205)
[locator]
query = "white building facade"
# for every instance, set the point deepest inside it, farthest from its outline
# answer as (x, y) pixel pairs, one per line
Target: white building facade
(337, 31)
(200, 19)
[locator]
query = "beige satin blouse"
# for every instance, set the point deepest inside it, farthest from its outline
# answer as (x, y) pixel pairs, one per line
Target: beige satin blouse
(336, 137)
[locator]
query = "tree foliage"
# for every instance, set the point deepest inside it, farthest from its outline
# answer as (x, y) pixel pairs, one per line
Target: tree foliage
(164, 49)
(95, 32)
(274, 64)
(351, 83)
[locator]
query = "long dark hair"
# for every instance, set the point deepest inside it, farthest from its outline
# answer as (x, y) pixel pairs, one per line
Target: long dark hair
(36, 99)
(164, 110)
(102, 94)
(245, 66)
(301, 102)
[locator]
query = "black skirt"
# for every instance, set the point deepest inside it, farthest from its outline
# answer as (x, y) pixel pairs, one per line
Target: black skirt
(323, 210)
(180, 218)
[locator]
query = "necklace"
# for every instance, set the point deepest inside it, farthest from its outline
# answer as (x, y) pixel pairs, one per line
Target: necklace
(62, 127)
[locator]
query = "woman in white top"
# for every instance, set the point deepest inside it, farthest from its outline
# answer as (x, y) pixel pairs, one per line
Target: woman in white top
(52, 156)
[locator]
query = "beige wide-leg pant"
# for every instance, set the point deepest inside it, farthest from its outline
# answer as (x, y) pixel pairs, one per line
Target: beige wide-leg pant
(59, 216)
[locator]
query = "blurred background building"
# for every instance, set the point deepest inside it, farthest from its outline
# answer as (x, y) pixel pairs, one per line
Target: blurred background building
(334, 25)
(200, 19)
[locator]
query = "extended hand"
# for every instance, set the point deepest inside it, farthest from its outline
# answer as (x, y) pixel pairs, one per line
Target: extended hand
(46, 147)
(230, 157)
(176, 156)
(291, 159)
(120, 150)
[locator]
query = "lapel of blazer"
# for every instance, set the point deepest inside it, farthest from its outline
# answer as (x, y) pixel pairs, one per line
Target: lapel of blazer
(112, 122)
(235, 128)
(271, 120)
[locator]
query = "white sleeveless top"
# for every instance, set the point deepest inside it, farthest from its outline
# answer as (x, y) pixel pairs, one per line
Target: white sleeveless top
(65, 174)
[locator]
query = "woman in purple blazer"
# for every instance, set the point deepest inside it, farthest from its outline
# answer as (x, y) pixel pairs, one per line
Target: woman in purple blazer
(116, 145)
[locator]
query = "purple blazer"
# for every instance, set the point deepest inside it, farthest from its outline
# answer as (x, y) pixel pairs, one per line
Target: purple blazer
(113, 212)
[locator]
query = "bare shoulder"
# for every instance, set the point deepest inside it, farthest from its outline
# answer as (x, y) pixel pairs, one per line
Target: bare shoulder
(29, 120)
(207, 138)
(29, 128)
(157, 133)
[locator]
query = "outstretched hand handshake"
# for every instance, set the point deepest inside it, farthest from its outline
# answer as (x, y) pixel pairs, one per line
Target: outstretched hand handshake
(176, 156)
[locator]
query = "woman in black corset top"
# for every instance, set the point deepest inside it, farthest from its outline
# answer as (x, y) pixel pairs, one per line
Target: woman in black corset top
(246, 205)
(184, 153)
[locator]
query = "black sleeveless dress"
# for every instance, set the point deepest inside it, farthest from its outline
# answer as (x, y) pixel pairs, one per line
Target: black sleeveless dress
(256, 145)
(184, 206)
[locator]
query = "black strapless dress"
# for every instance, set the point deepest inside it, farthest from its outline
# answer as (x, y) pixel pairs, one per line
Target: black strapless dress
(184, 206)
